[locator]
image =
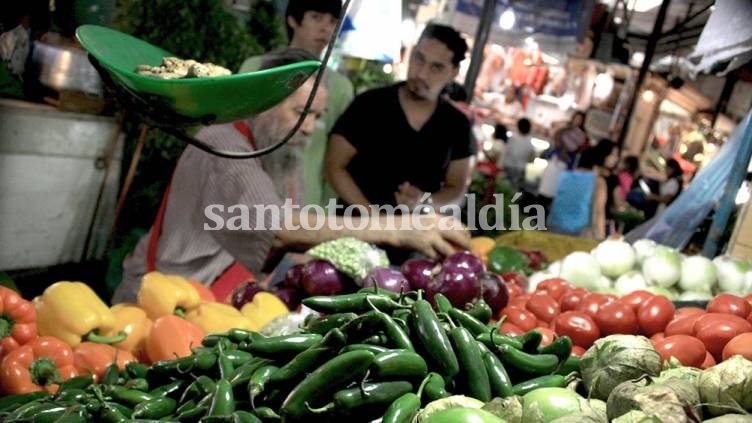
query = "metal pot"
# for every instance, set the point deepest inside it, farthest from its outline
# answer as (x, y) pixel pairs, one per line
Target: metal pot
(65, 68)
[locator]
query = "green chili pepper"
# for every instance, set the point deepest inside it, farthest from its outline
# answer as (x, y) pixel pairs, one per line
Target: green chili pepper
(571, 364)
(531, 340)
(64, 413)
(12, 402)
(360, 327)
(376, 349)
(475, 326)
(136, 370)
(474, 375)
(481, 311)
(328, 378)
(168, 389)
(243, 373)
(198, 388)
(356, 303)
(244, 417)
(127, 396)
(501, 384)
(266, 413)
(285, 344)
(435, 387)
(309, 359)
(226, 368)
(110, 413)
(547, 381)
(393, 331)
(373, 289)
(560, 347)
(322, 325)
(377, 339)
(259, 380)
(399, 364)
(433, 338)
(493, 339)
(192, 414)
(213, 339)
(78, 382)
(223, 401)
(369, 394)
(443, 305)
(528, 363)
(402, 315)
(111, 375)
(405, 408)
(155, 409)
(72, 395)
(240, 335)
(139, 384)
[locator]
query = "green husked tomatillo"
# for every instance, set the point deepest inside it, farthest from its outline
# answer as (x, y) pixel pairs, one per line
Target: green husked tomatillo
(463, 415)
(546, 404)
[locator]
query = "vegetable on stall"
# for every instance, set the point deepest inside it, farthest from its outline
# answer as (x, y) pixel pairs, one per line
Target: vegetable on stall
(40, 364)
(320, 277)
(615, 257)
(351, 256)
(132, 320)
(727, 386)
(18, 321)
(204, 292)
(663, 267)
(616, 359)
(581, 270)
(546, 404)
(172, 336)
(263, 308)
(94, 359)
(162, 295)
(454, 401)
(218, 317)
(504, 258)
(672, 400)
(72, 312)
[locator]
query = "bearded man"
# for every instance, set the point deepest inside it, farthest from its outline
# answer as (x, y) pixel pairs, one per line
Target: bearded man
(201, 233)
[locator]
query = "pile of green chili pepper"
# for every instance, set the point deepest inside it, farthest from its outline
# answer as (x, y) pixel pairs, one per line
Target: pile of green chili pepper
(368, 355)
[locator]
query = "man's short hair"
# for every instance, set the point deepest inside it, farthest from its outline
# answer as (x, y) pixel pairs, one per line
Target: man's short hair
(523, 125)
(287, 56)
(450, 37)
(297, 8)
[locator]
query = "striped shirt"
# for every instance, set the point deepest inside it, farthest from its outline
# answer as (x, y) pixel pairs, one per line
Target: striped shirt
(185, 248)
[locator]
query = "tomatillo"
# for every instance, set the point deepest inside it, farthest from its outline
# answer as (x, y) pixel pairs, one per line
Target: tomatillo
(463, 415)
(547, 404)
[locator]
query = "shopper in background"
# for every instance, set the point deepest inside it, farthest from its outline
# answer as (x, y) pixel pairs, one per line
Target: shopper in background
(508, 109)
(568, 142)
(518, 153)
(310, 25)
(206, 190)
(670, 188)
(395, 144)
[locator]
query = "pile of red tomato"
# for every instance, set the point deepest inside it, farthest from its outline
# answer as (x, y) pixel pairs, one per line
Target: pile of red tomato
(695, 336)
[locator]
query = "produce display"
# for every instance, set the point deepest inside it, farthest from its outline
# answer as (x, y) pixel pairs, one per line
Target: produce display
(465, 339)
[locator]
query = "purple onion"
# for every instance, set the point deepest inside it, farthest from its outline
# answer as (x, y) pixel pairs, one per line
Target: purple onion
(458, 284)
(387, 278)
(495, 291)
(466, 260)
(244, 293)
(320, 277)
(289, 296)
(293, 277)
(420, 272)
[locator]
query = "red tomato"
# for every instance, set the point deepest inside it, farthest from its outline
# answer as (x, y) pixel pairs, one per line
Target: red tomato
(514, 289)
(616, 317)
(578, 326)
(519, 301)
(748, 298)
(657, 337)
(572, 299)
(517, 278)
(543, 306)
(689, 350)
(688, 311)
(521, 318)
(548, 335)
(510, 329)
(654, 314)
(709, 361)
(740, 344)
(636, 298)
(555, 287)
(716, 330)
(578, 350)
(592, 302)
(682, 325)
(731, 304)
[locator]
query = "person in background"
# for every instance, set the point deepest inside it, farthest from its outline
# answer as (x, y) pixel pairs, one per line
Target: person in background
(310, 25)
(395, 144)
(518, 153)
(509, 109)
(571, 140)
(670, 188)
(192, 235)
(624, 179)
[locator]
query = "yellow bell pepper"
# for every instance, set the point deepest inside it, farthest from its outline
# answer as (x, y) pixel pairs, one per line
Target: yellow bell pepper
(71, 311)
(264, 308)
(162, 294)
(216, 317)
(132, 320)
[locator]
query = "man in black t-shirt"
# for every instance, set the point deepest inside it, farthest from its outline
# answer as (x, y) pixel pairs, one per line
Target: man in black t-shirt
(397, 143)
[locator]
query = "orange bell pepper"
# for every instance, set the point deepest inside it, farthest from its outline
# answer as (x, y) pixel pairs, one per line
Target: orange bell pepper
(91, 358)
(172, 337)
(18, 321)
(39, 365)
(206, 294)
(132, 320)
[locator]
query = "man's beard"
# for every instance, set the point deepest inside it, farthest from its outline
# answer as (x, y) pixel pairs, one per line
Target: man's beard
(283, 165)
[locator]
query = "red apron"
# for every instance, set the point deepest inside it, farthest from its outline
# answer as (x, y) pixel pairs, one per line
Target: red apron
(235, 274)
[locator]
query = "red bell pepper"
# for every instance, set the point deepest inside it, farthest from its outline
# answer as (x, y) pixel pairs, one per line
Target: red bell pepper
(41, 364)
(93, 358)
(18, 321)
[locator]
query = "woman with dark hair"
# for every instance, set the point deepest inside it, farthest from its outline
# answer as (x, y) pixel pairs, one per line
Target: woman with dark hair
(579, 207)
(670, 188)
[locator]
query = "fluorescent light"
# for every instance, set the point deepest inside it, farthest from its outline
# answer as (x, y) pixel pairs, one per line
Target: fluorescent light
(388, 68)
(643, 6)
(648, 96)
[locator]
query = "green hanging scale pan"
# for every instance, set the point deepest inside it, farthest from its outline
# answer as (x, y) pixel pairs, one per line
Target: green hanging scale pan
(174, 105)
